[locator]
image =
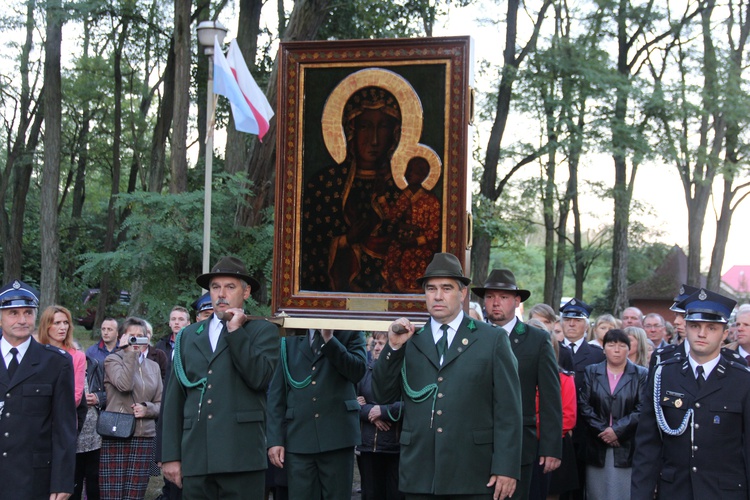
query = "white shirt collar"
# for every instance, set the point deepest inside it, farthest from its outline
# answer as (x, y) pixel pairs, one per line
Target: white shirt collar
(510, 325)
(22, 348)
(214, 330)
(576, 343)
(452, 328)
(743, 352)
(707, 366)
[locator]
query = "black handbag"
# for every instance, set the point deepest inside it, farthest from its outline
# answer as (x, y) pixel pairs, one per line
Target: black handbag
(113, 424)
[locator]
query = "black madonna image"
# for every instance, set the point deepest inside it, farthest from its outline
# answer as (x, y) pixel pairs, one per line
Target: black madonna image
(371, 217)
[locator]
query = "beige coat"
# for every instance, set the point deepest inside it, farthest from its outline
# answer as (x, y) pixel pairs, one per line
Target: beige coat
(128, 381)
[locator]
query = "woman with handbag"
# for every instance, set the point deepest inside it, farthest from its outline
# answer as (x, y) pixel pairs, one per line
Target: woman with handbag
(134, 388)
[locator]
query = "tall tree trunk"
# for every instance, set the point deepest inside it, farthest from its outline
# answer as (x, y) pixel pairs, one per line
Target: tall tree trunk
(112, 222)
(713, 281)
(705, 168)
(620, 191)
(247, 39)
(549, 194)
(19, 163)
(178, 182)
(157, 158)
(488, 185)
(79, 182)
(306, 19)
(733, 131)
(576, 149)
(50, 189)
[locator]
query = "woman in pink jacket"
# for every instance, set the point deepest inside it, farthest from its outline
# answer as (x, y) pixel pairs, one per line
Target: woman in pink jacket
(56, 329)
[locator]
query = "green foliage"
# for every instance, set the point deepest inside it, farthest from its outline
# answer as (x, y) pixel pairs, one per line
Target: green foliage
(508, 222)
(355, 19)
(162, 255)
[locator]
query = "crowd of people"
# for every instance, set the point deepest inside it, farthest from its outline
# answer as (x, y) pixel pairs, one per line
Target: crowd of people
(473, 404)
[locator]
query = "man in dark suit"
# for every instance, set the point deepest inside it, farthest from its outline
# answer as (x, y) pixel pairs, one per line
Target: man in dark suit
(179, 318)
(693, 437)
(458, 378)
(37, 411)
(214, 439)
(575, 319)
(313, 413)
(537, 370)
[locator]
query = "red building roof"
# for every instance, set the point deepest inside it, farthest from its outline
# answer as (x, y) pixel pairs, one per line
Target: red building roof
(738, 279)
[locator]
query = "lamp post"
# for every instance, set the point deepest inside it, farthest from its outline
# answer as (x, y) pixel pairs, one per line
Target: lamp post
(207, 31)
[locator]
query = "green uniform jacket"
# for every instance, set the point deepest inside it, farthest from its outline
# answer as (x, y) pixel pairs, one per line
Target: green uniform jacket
(476, 426)
(227, 433)
(324, 415)
(537, 368)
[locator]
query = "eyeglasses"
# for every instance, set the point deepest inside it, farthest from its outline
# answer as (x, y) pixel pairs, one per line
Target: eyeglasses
(652, 326)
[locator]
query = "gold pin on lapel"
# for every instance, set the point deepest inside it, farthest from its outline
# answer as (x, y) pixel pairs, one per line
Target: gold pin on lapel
(677, 403)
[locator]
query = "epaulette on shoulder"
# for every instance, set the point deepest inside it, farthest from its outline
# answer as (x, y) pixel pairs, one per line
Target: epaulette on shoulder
(666, 349)
(733, 356)
(672, 360)
(739, 365)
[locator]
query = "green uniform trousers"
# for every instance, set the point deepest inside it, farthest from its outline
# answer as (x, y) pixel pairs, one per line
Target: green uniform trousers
(327, 475)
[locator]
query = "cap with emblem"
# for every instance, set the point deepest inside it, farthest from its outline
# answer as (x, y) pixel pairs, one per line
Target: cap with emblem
(18, 294)
(576, 308)
(707, 306)
(501, 279)
(685, 292)
(202, 303)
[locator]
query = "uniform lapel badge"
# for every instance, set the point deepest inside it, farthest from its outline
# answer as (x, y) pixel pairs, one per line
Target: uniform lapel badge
(717, 420)
(465, 341)
(677, 403)
(199, 330)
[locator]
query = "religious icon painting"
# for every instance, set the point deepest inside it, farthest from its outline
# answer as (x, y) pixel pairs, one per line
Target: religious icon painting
(372, 176)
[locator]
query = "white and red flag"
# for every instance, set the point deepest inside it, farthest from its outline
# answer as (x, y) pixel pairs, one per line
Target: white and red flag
(233, 80)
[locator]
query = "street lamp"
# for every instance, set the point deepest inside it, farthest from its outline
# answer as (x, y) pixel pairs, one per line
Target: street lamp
(207, 32)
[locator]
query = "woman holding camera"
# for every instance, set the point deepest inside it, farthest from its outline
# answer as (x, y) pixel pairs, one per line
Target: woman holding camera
(133, 384)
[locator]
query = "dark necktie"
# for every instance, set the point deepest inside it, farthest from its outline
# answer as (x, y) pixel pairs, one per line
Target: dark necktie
(699, 376)
(315, 342)
(442, 344)
(747, 359)
(572, 348)
(13, 365)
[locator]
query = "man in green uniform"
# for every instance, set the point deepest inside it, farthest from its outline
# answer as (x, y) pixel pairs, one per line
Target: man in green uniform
(313, 413)
(462, 430)
(214, 438)
(537, 371)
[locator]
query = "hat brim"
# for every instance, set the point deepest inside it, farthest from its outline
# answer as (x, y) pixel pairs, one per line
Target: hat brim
(204, 280)
(481, 291)
(705, 317)
(462, 279)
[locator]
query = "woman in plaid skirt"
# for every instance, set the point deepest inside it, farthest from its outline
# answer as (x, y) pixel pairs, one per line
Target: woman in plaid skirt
(133, 384)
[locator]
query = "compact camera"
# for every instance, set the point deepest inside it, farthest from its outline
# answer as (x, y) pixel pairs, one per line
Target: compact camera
(138, 341)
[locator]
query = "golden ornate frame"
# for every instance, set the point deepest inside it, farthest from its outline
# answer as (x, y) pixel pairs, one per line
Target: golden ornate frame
(315, 81)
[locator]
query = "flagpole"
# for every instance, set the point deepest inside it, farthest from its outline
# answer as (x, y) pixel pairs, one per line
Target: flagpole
(207, 32)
